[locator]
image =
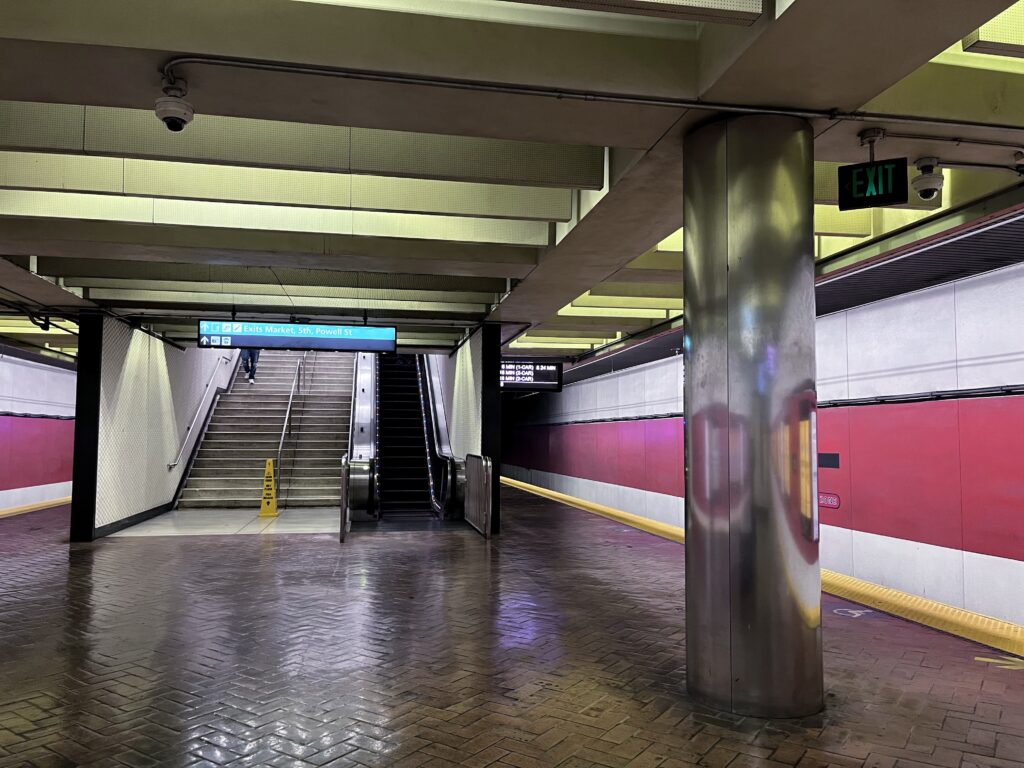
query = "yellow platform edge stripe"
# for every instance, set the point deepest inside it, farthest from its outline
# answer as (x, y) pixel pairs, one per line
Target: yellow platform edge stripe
(12, 511)
(995, 633)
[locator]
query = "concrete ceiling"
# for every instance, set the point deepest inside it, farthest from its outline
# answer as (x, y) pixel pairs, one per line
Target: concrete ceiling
(440, 182)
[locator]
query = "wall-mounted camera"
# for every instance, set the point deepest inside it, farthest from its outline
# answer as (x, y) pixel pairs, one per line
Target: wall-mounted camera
(929, 184)
(171, 108)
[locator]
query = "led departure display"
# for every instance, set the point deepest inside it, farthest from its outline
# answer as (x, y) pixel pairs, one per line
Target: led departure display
(225, 334)
(531, 375)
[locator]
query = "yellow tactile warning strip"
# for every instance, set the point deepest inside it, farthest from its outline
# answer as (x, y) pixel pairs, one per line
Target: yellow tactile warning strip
(996, 633)
(664, 530)
(12, 511)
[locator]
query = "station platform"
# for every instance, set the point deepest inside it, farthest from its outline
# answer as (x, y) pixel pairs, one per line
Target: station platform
(559, 643)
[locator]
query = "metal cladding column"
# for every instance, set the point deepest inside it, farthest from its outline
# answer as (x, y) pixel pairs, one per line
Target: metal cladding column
(753, 584)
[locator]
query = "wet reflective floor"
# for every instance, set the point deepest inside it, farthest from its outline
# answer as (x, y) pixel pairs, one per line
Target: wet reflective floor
(559, 644)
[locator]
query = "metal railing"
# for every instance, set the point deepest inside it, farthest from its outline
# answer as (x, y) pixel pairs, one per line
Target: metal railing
(200, 411)
(346, 510)
(298, 383)
(479, 485)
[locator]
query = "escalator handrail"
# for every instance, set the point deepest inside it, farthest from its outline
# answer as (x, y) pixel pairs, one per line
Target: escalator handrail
(435, 398)
(439, 449)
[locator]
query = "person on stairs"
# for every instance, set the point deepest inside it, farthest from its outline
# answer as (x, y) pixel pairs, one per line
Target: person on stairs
(249, 359)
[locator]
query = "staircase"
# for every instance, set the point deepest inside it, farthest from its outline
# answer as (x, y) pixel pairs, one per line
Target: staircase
(245, 430)
(403, 474)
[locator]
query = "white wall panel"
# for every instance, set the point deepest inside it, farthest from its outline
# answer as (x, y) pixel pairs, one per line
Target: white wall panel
(990, 328)
(654, 506)
(464, 380)
(992, 586)
(35, 388)
(149, 393)
(19, 497)
(903, 345)
(836, 550)
(936, 573)
(653, 389)
(830, 354)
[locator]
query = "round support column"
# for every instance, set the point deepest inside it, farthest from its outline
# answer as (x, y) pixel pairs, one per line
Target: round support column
(753, 583)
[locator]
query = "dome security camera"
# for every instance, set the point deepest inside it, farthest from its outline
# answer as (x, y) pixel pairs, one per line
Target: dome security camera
(930, 182)
(172, 109)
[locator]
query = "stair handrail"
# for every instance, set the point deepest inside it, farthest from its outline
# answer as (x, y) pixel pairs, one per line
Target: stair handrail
(195, 418)
(297, 382)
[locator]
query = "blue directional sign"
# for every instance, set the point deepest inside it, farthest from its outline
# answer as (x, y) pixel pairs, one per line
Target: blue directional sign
(224, 334)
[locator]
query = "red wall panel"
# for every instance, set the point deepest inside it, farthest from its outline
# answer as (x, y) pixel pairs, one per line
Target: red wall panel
(905, 471)
(35, 451)
(664, 452)
(645, 454)
(949, 473)
(992, 455)
(834, 437)
(632, 447)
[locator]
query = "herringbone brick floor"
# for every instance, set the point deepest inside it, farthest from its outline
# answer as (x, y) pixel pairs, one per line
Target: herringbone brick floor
(561, 644)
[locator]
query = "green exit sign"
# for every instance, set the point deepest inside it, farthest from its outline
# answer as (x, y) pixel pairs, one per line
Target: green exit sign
(873, 185)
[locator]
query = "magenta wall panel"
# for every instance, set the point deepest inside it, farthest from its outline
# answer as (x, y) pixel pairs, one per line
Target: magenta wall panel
(35, 451)
(632, 448)
(834, 437)
(992, 472)
(905, 471)
(949, 473)
(646, 454)
(664, 452)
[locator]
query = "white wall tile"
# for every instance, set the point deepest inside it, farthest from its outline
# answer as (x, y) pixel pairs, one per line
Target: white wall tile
(992, 586)
(903, 345)
(830, 355)
(36, 388)
(836, 549)
(34, 494)
(149, 394)
(909, 566)
(990, 328)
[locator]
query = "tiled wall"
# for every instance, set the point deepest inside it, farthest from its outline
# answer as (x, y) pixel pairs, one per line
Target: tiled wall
(655, 389)
(931, 499)
(149, 393)
(37, 406)
(463, 395)
(615, 439)
(931, 496)
(962, 335)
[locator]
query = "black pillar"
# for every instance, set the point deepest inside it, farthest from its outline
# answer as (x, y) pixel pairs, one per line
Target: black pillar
(87, 428)
(490, 419)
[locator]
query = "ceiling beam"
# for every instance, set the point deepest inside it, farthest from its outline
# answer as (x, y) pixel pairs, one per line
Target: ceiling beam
(293, 292)
(275, 218)
(136, 133)
(709, 11)
(72, 270)
(665, 290)
(116, 51)
(268, 186)
(252, 248)
(120, 297)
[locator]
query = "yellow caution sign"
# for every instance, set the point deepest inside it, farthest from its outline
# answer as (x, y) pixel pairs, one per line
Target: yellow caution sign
(268, 505)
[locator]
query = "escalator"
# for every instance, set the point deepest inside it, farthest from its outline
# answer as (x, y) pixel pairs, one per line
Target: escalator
(403, 470)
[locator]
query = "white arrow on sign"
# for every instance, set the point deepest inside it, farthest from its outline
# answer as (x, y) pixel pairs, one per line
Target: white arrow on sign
(204, 340)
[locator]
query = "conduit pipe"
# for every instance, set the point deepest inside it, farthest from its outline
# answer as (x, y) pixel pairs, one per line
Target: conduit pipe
(168, 71)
